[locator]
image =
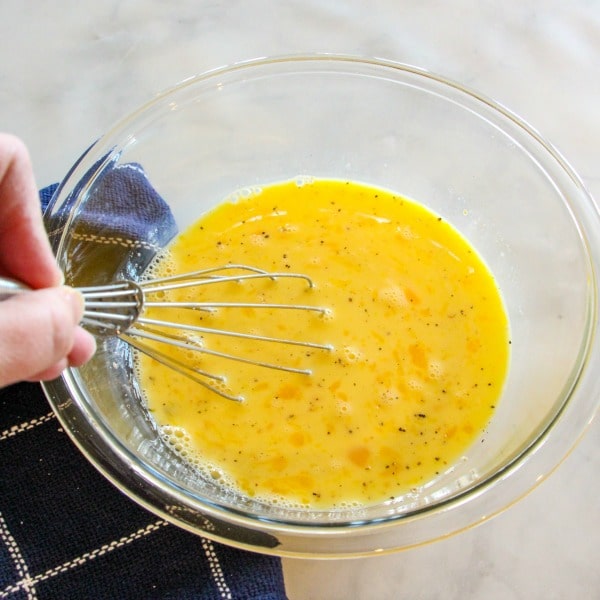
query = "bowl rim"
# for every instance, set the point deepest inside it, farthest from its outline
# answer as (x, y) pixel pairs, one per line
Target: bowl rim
(534, 463)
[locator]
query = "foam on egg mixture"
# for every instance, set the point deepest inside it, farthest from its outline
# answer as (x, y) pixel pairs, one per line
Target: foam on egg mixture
(418, 327)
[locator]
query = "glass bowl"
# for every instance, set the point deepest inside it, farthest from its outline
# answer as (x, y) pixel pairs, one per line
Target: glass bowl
(391, 125)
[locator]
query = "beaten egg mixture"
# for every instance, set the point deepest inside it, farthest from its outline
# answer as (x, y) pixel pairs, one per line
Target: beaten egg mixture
(419, 338)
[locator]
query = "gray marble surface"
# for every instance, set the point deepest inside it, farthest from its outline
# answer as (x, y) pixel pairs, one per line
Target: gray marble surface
(69, 69)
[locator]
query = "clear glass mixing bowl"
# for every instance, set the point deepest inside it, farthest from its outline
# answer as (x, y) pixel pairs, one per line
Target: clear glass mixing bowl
(394, 126)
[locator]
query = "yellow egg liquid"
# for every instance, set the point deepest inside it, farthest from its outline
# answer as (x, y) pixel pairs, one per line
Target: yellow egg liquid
(417, 325)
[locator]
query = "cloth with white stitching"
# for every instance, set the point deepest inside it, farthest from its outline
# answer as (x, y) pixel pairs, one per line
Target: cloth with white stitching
(66, 532)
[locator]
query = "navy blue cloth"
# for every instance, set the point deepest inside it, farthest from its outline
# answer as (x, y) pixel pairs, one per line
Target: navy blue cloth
(66, 532)
(124, 224)
(122, 204)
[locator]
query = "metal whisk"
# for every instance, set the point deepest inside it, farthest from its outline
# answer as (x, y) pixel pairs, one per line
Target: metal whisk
(117, 309)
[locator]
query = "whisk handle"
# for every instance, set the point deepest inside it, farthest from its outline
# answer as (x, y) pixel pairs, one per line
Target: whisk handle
(11, 287)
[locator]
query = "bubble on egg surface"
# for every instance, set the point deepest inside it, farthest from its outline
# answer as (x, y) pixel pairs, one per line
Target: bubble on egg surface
(343, 408)
(244, 193)
(163, 263)
(415, 384)
(179, 440)
(351, 354)
(393, 295)
(302, 180)
(436, 369)
(406, 232)
(289, 228)
(258, 239)
(389, 395)
(328, 314)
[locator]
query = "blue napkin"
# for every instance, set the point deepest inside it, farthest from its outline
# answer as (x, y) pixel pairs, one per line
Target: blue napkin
(66, 532)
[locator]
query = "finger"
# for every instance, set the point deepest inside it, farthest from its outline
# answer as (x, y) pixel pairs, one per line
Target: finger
(84, 346)
(37, 331)
(50, 373)
(23, 240)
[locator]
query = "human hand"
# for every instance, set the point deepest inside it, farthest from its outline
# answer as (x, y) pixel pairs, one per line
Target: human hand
(39, 331)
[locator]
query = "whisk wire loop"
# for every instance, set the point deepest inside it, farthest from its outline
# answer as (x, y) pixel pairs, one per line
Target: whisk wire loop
(117, 309)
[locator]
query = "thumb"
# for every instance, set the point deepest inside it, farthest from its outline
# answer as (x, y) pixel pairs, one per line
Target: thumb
(37, 330)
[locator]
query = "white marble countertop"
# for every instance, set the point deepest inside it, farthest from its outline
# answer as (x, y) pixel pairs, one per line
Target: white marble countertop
(70, 68)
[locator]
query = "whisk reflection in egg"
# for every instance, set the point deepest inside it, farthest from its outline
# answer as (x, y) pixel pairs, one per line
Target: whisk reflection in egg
(118, 309)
